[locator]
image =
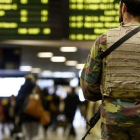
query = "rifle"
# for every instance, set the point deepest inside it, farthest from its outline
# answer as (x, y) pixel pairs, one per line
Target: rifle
(93, 121)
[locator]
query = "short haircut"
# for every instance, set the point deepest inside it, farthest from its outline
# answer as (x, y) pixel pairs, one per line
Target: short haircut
(133, 6)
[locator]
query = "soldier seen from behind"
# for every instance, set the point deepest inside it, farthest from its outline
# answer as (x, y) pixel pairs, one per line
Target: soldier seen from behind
(119, 83)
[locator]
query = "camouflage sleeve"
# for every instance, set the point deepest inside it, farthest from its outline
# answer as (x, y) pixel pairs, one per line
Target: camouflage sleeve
(92, 70)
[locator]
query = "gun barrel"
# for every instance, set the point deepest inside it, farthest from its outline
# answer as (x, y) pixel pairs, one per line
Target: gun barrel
(88, 132)
(95, 118)
(93, 121)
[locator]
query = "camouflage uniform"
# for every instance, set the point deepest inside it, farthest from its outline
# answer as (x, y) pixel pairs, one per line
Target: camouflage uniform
(120, 117)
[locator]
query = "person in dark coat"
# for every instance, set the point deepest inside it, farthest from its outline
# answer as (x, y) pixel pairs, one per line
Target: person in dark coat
(54, 105)
(30, 125)
(71, 103)
(10, 113)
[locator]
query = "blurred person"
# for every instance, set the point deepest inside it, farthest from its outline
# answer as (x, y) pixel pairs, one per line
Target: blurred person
(47, 101)
(54, 106)
(119, 86)
(2, 120)
(29, 124)
(71, 103)
(10, 112)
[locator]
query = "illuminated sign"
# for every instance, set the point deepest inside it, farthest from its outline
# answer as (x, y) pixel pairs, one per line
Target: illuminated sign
(24, 19)
(91, 18)
(57, 19)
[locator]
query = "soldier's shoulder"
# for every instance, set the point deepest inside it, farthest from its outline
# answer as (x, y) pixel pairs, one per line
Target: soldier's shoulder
(115, 29)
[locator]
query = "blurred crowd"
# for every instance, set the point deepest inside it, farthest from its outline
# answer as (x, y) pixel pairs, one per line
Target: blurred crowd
(62, 111)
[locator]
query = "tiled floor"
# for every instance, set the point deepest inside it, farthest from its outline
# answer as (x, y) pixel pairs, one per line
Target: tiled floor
(60, 134)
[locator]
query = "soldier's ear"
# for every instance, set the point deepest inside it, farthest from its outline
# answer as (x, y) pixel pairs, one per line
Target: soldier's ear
(124, 8)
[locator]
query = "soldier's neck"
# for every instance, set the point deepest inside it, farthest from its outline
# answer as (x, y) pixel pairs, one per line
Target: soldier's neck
(131, 19)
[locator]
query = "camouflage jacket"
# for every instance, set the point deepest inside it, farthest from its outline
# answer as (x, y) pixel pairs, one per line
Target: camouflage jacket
(114, 111)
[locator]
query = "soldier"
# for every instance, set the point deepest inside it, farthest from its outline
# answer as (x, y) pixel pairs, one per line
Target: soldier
(120, 79)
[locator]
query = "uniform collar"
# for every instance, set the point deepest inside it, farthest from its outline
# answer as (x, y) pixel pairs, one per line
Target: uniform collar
(130, 24)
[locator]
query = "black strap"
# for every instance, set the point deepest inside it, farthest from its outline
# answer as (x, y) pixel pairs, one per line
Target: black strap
(119, 42)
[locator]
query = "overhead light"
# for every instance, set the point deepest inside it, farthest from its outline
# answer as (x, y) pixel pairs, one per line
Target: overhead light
(74, 82)
(58, 74)
(58, 59)
(80, 72)
(45, 82)
(36, 70)
(68, 49)
(46, 73)
(80, 66)
(45, 54)
(25, 68)
(81, 95)
(71, 63)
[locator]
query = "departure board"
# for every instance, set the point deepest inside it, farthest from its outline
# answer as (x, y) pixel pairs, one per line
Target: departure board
(29, 19)
(57, 19)
(90, 18)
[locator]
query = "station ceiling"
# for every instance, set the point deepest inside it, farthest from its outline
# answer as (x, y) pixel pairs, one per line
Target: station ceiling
(30, 49)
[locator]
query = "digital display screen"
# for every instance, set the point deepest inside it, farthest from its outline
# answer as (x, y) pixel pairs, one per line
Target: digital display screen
(28, 19)
(57, 19)
(90, 18)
